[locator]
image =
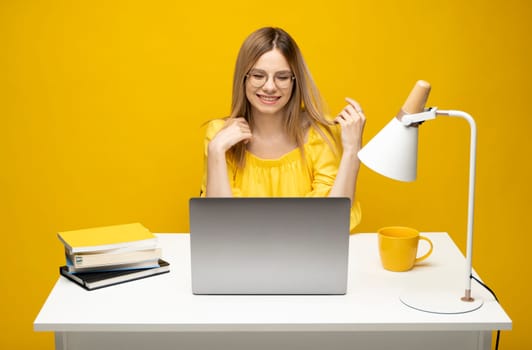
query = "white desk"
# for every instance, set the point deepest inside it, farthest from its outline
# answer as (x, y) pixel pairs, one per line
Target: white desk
(160, 312)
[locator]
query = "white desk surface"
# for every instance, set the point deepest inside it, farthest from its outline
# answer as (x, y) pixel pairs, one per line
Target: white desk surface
(165, 303)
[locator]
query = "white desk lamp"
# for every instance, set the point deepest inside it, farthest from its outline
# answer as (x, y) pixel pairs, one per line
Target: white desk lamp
(393, 153)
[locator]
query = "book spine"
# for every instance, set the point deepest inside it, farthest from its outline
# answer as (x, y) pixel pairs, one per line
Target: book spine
(94, 260)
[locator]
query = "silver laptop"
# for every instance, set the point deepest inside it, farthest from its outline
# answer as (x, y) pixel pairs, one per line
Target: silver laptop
(269, 245)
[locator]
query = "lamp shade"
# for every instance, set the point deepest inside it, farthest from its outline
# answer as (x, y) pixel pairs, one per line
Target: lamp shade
(393, 151)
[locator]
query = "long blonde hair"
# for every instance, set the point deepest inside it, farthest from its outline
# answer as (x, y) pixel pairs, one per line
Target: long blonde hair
(305, 107)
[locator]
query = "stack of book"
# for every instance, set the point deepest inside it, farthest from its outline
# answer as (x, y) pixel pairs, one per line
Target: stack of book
(103, 256)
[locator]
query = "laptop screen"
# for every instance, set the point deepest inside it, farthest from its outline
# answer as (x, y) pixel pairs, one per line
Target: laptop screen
(269, 245)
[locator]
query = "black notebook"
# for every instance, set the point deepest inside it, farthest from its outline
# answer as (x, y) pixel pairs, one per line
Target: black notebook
(95, 280)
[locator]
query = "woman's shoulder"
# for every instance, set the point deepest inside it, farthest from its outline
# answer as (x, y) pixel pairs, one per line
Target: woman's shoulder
(213, 126)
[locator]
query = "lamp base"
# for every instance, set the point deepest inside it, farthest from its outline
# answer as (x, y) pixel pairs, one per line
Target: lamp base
(439, 301)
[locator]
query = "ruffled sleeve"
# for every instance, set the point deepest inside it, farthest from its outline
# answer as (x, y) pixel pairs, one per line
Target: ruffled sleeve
(323, 160)
(212, 129)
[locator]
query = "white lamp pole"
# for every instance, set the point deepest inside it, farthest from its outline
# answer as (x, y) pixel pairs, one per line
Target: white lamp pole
(471, 199)
(445, 301)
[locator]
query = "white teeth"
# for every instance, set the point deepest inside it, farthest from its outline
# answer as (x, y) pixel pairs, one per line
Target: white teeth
(269, 98)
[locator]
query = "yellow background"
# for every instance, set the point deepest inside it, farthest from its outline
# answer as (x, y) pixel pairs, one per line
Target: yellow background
(101, 106)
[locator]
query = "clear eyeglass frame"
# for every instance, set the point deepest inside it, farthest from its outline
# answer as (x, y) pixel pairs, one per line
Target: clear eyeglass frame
(258, 78)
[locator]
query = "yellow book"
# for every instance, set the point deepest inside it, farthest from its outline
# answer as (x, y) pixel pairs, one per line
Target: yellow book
(103, 238)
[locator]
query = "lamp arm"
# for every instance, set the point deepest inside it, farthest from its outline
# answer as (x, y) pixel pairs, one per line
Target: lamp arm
(417, 118)
(471, 200)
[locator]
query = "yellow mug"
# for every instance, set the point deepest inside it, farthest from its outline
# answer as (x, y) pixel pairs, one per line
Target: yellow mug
(398, 247)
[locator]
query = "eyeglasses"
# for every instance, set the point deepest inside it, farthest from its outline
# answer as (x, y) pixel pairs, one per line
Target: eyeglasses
(257, 78)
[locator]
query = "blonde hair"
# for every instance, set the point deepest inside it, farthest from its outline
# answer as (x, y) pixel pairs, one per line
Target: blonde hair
(305, 107)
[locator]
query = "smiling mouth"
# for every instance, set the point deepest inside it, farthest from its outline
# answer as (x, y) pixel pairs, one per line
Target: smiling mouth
(268, 99)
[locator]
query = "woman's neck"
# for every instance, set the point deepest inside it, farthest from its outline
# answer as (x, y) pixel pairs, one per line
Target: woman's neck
(270, 139)
(268, 125)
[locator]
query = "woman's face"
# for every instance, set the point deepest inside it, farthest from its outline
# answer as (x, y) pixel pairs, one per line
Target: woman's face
(269, 83)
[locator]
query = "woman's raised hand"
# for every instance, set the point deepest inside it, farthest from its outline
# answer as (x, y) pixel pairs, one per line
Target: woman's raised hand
(352, 121)
(234, 131)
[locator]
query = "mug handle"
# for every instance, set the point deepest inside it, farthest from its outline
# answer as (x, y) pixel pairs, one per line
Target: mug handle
(421, 258)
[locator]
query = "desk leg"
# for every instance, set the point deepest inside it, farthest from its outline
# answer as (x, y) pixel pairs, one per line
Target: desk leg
(484, 340)
(60, 340)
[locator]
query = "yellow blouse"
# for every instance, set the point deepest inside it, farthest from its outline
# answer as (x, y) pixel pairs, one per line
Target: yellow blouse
(287, 176)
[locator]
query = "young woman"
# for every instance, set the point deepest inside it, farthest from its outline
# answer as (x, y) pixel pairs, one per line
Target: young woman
(277, 141)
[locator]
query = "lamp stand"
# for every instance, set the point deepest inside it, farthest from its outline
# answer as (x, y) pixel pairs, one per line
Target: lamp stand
(441, 300)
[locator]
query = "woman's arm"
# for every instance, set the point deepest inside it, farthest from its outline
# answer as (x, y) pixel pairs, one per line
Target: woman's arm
(235, 130)
(352, 121)
(217, 178)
